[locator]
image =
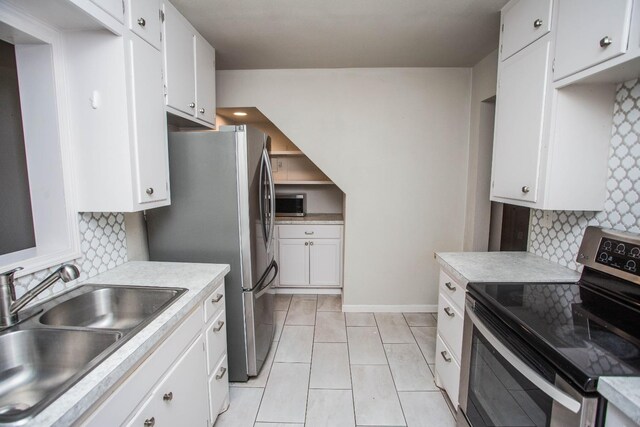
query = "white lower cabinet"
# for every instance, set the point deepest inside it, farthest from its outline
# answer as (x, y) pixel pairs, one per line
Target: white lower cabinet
(310, 256)
(183, 382)
(449, 340)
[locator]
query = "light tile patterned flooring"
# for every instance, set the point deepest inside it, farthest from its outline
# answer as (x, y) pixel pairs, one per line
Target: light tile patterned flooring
(334, 369)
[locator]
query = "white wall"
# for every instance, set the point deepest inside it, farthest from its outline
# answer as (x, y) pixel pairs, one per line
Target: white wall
(395, 141)
(478, 211)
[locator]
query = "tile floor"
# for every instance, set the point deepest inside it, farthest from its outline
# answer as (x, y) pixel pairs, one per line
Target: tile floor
(334, 369)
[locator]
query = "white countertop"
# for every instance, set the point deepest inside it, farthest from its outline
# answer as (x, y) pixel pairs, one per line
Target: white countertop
(311, 219)
(199, 279)
(487, 267)
(622, 392)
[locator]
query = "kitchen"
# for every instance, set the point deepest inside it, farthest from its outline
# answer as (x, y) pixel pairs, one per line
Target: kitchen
(409, 148)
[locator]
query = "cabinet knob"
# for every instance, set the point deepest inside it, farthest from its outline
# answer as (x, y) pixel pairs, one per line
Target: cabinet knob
(150, 422)
(221, 373)
(310, 243)
(306, 243)
(192, 105)
(202, 111)
(445, 356)
(449, 312)
(450, 286)
(219, 326)
(150, 190)
(168, 397)
(537, 23)
(605, 41)
(525, 189)
(216, 298)
(142, 22)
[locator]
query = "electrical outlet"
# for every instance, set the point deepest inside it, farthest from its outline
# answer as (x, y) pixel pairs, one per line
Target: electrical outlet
(546, 221)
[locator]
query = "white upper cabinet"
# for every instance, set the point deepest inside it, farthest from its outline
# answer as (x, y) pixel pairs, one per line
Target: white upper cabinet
(114, 8)
(590, 32)
(189, 70)
(521, 103)
(144, 20)
(523, 23)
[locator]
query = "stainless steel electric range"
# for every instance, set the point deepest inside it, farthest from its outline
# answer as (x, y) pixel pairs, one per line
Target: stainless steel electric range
(533, 353)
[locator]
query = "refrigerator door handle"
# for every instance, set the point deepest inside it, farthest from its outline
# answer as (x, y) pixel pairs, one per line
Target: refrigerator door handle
(265, 286)
(261, 197)
(272, 199)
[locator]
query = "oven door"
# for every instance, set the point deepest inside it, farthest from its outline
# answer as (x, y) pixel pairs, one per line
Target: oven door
(504, 382)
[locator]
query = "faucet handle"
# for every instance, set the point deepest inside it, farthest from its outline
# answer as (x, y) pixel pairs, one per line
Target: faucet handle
(6, 279)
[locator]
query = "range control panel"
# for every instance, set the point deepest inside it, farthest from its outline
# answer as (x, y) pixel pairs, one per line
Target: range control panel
(619, 255)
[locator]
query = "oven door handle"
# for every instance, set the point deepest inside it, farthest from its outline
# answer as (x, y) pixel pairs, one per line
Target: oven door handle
(549, 389)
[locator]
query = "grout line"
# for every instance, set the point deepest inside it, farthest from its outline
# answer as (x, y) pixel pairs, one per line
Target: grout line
(313, 342)
(353, 394)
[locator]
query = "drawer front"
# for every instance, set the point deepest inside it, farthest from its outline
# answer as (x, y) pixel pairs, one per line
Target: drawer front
(523, 23)
(450, 325)
(448, 371)
(454, 291)
(216, 340)
(219, 389)
(144, 20)
(214, 303)
(310, 231)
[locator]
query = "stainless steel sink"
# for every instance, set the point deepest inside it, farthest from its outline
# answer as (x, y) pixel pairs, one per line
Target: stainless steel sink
(34, 363)
(59, 341)
(121, 308)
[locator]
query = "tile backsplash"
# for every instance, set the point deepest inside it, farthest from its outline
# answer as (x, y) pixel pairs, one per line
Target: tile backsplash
(103, 244)
(560, 242)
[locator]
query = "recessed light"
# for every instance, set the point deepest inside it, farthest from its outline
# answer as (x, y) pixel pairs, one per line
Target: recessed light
(239, 113)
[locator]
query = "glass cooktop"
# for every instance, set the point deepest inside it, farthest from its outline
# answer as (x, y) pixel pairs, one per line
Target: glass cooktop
(583, 332)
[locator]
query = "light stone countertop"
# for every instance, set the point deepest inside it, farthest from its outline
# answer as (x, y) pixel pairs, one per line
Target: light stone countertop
(199, 279)
(311, 219)
(487, 267)
(622, 392)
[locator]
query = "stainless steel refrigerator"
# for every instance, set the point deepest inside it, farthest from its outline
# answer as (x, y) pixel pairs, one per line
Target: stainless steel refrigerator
(222, 211)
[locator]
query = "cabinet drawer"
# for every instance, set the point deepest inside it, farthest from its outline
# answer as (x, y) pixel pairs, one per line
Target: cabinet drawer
(448, 371)
(310, 231)
(144, 20)
(590, 32)
(114, 8)
(214, 303)
(523, 23)
(219, 389)
(216, 340)
(454, 291)
(450, 325)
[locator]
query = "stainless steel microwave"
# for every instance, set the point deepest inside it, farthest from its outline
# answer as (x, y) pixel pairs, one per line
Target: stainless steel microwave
(291, 204)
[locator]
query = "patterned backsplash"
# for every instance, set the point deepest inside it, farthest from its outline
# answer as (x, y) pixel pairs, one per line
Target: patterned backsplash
(560, 242)
(103, 244)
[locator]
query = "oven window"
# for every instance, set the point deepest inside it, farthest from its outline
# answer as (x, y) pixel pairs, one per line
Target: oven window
(499, 395)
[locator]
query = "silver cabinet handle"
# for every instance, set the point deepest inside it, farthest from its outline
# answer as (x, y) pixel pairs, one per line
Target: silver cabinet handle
(445, 356)
(605, 41)
(525, 189)
(219, 326)
(149, 191)
(221, 373)
(309, 233)
(450, 286)
(142, 22)
(168, 397)
(202, 111)
(216, 298)
(192, 105)
(306, 243)
(150, 422)
(449, 312)
(537, 23)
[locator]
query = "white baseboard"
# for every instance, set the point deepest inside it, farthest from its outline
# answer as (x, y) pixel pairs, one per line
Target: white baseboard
(308, 291)
(409, 308)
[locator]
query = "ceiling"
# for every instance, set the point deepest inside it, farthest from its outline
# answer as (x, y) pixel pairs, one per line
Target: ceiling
(271, 34)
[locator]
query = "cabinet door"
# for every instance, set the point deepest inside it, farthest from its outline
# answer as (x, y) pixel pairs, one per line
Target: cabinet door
(149, 122)
(179, 61)
(523, 23)
(294, 261)
(590, 32)
(181, 398)
(520, 115)
(205, 81)
(114, 8)
(324, 262)
(144, 20)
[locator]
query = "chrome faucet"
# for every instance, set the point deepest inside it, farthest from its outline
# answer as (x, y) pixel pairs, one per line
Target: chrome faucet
(9, 306)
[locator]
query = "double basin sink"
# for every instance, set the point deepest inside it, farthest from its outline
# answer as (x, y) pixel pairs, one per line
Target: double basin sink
(59, 341)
